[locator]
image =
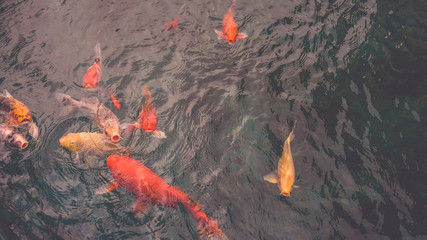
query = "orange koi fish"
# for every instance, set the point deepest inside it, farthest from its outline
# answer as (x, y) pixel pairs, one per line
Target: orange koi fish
(94, 73)
(150, 189)
(115, 101)
(171, 25)
(284, 177)
(148, 117)
(16, 113)
(229, 27)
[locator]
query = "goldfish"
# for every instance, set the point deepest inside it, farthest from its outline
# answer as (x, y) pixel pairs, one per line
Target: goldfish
(16, 113)
(94, 73)
(284, 177)
(229, 27)
(89, 142)
(171, 25)
(148, 117)
(115, 101)
(103, 117)
(150, 189)
(12, 138)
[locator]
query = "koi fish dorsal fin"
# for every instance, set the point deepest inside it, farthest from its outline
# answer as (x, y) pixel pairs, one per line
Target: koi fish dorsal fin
(271, 177)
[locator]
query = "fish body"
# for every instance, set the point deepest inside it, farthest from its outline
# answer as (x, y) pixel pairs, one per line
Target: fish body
(147, 121)
(171, 25)
(94, 73)
(103, 117)
(16, 113)
(12, 138)
(115, 101)
(229, 27)
(284, 177)
(150, 189)
(89, 141)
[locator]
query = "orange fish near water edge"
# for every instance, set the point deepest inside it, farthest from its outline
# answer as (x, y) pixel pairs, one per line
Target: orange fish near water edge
(94, 73)
(284, 177)
(150, 189)
(148, 117)
(229, 27)
(16, 113)
(171, 25)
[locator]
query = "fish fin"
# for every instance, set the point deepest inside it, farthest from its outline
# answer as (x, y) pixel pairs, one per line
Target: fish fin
(295, 186)
(159, 134)
(271, 177)
(76, 157)
(107, 188)
(139, 207)
(220, 34)
(128, 127)
(5, 93)
(242, 35)
(33, 130)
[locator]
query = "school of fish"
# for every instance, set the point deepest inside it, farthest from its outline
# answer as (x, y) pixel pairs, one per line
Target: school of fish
(148, 187)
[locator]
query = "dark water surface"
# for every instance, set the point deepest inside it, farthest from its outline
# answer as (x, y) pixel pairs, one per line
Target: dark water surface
(351, 72)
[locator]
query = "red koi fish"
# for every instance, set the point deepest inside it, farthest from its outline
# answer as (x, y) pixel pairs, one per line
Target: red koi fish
(148, 117)
(115, 101)
(150, 189)
(229, 27)
(94, 73)
(171, 25)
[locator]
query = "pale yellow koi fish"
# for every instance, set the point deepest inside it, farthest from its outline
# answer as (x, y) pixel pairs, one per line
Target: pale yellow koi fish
(284, 177)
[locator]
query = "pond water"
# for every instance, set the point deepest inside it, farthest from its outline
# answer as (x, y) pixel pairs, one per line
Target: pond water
(350, 73)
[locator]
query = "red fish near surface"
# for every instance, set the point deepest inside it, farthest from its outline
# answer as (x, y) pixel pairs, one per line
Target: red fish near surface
(94, 73)
(115, 101)
(150, 189)
(148, 117)
(229, 27)
(171, 25)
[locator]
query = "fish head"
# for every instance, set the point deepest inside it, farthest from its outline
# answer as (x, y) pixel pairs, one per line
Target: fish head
(18, 140)
(286, 193)
(113, 133)
(70, 142)
(231, 35)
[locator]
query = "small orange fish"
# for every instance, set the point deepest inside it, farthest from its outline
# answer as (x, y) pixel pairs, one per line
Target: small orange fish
(229, 27)
(148, 117)
(94, 73)
(150, 189)
(115, 101)
(171, 25)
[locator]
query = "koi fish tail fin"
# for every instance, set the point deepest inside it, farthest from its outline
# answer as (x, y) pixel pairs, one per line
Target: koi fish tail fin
(4, 93)
(230, 9)
(98, 51)
(220, 34)
(292, 135)
(208, 229)
(147, 94)
(68, 104)
(159, 134)
(33, 130)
